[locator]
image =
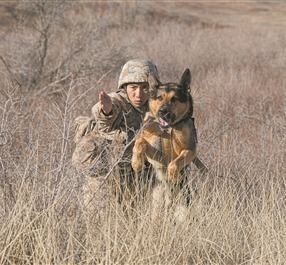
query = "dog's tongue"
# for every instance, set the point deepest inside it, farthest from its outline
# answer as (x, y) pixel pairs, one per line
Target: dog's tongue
(163, 122)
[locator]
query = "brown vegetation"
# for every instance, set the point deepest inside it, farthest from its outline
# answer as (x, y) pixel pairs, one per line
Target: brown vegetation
(56, 56)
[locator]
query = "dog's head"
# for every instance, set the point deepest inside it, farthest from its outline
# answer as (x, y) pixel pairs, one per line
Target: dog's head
(170, 102)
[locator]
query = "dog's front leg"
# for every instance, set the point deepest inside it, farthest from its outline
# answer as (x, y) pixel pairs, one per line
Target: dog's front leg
(138, 154)
(175, 166)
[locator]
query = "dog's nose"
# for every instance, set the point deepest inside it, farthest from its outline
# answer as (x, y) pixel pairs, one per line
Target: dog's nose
(164, 110)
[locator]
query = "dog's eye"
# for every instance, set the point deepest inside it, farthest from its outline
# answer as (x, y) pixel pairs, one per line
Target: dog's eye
(160, 98)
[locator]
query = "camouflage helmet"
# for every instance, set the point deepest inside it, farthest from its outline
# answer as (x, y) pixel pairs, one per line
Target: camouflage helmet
(137, 71)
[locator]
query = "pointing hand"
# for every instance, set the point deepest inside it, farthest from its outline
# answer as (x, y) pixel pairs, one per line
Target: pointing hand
(105, 103)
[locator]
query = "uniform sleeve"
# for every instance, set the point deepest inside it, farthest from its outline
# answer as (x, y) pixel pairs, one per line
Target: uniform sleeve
(109, 123)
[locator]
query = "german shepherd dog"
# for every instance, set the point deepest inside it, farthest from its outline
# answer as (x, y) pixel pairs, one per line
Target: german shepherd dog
(168, 140)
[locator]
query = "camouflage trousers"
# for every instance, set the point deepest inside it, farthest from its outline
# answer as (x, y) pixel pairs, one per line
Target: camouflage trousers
(120, 187)
(108, 175)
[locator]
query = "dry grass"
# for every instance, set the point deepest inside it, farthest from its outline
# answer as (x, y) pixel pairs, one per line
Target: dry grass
(237, 57)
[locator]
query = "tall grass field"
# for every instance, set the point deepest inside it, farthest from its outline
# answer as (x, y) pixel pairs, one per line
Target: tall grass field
(55, 58)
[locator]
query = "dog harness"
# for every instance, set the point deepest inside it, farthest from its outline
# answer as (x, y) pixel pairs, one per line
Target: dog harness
(166, 143)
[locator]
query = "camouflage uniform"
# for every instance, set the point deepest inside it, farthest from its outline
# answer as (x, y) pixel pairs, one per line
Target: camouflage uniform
(115, 131)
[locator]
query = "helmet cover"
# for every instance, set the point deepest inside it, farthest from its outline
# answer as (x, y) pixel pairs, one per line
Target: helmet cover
(137, 71)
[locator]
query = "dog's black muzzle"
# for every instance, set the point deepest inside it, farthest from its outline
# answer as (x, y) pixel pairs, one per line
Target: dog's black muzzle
(166, 115)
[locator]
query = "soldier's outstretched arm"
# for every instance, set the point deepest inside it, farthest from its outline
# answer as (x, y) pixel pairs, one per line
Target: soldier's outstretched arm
(105, 103)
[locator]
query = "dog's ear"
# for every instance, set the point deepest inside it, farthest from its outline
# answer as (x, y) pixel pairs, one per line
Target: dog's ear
(154, 83)
(186, 80)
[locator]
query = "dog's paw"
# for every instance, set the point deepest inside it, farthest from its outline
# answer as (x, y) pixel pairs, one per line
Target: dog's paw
(136, 164)
(174, 174)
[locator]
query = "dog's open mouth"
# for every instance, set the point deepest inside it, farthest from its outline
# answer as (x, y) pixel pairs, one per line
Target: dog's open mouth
(166, 120)
(163, 122)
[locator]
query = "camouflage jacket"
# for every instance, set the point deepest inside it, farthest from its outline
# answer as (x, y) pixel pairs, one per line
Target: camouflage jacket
(119, 129)
(125, 118)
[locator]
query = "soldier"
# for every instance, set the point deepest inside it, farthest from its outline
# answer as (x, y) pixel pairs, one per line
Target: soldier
(110, 132)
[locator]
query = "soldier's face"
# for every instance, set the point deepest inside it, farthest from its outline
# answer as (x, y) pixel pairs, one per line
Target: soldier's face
(138, 93)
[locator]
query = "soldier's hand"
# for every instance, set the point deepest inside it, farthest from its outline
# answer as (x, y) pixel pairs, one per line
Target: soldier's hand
(105, 103)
